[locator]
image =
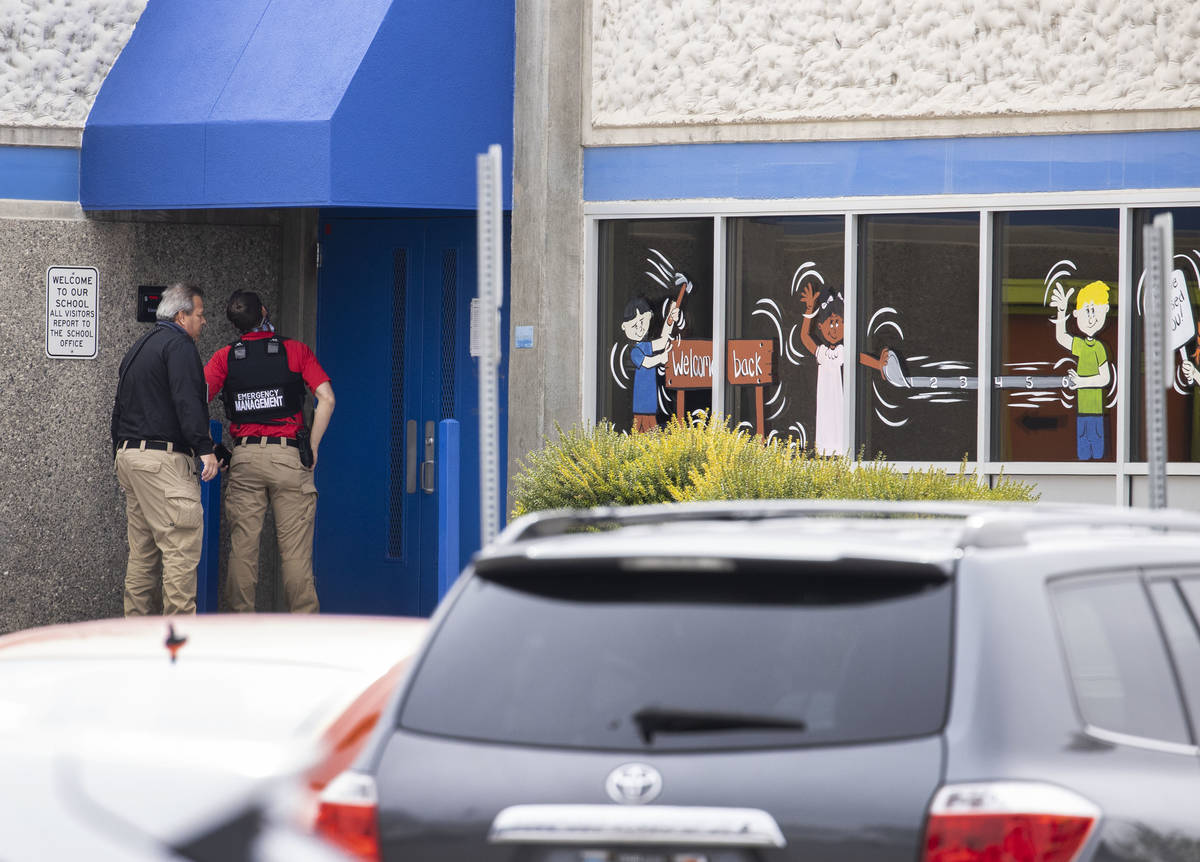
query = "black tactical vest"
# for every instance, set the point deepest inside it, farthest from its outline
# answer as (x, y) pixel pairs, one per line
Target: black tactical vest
(259, 387)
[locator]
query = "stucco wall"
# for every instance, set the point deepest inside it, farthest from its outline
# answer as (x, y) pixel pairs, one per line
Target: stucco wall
(54, 55)
(707, 63)
(62, 523)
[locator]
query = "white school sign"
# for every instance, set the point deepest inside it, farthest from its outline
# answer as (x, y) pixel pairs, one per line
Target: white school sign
(1181, 326)
(72, 312)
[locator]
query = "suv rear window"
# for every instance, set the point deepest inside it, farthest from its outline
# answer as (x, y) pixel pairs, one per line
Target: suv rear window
(592, 656)
(1119, 666)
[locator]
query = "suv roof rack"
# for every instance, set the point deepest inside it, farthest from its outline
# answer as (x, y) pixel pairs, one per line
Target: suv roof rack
(984, 525)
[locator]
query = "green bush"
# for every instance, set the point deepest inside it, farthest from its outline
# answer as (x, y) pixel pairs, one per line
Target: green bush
(707, 460)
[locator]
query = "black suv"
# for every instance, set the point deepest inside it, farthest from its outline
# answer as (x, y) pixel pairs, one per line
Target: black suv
(800, 681)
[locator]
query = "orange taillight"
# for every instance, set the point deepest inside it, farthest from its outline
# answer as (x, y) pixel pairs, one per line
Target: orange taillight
(1007, 821)
(348, 815)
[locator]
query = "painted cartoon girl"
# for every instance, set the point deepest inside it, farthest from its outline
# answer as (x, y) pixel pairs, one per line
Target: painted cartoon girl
(829, 314)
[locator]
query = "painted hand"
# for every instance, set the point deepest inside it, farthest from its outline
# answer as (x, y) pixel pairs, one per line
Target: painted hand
(809, 297)
(1060, 299)
(1189, 372)
(1073, 379)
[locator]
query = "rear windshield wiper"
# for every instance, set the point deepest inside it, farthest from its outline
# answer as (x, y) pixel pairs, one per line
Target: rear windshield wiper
(656, 719)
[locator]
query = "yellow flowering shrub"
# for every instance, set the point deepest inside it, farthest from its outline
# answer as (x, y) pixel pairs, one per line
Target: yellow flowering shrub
(708, 460)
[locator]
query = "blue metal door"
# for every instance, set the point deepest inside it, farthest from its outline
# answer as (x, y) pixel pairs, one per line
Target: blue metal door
(393, 318)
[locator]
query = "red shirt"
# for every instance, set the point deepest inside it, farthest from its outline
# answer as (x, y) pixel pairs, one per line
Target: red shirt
(300, 358)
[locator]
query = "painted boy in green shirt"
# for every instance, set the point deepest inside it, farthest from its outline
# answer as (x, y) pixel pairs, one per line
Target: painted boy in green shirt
(1092, 372)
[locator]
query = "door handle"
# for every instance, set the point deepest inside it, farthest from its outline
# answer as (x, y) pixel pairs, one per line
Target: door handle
(428, 476)
(410, 459)
(411, 456)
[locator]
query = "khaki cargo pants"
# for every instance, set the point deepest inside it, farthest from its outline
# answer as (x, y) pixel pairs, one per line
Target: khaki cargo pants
(165, 523)
(270, 472)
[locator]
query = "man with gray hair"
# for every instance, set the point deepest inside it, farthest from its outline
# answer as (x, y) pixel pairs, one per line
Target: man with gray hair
(159, 428)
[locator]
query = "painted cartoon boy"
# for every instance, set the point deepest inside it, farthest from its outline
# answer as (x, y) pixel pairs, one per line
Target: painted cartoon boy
(1092, 372)
(646, 355)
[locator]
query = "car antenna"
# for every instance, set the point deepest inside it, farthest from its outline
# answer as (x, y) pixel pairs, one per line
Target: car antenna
(174, 641)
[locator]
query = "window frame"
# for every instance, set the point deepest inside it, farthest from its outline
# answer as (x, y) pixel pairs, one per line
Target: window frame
(1141, 578)
(856, 442)
(1119, 329)
(1175, 577)
(1121, 470)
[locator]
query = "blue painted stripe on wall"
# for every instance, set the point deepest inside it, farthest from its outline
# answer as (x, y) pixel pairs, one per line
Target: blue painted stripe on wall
(820, 169)
(39, 173)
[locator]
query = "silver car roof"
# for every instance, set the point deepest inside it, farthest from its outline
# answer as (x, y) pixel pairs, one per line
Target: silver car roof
(928, 534)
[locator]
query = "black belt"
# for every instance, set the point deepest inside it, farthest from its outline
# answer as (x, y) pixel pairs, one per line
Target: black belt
(282, 441)
(159, 445)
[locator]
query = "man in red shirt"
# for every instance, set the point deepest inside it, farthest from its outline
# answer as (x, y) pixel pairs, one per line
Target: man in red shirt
(262, 379)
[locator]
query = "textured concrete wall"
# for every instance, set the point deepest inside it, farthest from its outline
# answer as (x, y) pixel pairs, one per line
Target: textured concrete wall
(62, 522)
(547, 241)
(687, 62)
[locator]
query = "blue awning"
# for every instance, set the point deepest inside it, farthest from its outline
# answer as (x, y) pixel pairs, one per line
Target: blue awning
(271, 103)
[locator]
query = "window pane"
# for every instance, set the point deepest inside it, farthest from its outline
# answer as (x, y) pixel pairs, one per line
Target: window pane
(571, 658)
(772, 264)
(1191, 591)
(645, 266)
(1183, 407)
(918, 336)
(1069, 257)
(1184, 639)
(1118, 663)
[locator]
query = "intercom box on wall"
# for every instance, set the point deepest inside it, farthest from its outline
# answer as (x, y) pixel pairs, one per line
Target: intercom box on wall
(148, 296)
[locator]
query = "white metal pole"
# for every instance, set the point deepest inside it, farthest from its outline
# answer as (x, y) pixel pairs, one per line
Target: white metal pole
(491, 295)
(1158, 248)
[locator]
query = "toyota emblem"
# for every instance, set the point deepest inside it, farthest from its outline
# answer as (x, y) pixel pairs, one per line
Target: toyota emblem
(633, 784)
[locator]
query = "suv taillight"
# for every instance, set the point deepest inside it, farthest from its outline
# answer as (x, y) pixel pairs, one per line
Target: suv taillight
(348, 815)
(1007, 821)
